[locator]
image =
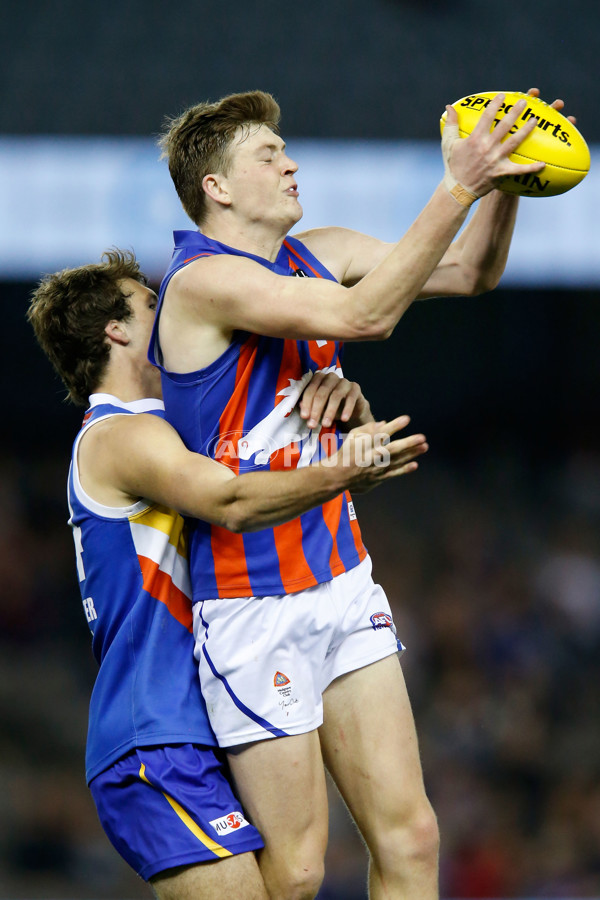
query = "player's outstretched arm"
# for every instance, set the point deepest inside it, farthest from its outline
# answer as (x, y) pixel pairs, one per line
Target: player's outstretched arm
(371, 308)
(367, 458)
(143, 456)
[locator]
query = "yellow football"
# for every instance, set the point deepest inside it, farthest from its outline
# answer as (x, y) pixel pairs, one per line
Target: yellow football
(554, 140)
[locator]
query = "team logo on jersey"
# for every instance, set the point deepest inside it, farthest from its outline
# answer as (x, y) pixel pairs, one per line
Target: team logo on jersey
(280, 679)
(229, 823)
(381, 620)
(230, 447)
(300, 273)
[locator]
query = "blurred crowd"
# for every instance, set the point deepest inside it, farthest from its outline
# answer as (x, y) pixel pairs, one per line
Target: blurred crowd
(493, 573)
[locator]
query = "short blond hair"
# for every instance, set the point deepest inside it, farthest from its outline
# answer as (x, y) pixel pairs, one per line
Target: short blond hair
(196, 143)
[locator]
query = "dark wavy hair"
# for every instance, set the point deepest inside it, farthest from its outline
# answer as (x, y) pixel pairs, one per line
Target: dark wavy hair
(69, 311)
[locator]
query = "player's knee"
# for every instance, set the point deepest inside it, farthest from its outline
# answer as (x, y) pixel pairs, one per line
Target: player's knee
(306, 883)
(413, 841)
(424, 836)
(302, 882)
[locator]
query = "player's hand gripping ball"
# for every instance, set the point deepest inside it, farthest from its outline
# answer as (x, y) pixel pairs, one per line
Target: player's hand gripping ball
(554, 140)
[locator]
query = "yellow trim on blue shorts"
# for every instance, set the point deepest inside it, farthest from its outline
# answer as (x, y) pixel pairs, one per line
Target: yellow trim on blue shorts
(208, 842)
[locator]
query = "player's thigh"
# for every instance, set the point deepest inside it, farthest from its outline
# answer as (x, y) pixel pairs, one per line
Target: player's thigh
(369, 745)
(236, 876)
(281, 783)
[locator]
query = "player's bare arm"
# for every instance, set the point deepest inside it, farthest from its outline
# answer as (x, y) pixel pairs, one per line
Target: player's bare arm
(215, 294)
(473, 263)
(126, 457)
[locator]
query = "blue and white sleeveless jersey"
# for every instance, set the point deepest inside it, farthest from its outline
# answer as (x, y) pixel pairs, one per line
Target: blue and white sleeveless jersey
(242, 411)
(135, 588)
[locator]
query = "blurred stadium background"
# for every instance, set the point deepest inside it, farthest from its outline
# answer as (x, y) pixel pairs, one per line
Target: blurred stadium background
(490, 553)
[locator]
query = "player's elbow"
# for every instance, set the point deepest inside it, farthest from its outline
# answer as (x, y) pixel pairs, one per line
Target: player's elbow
(380, 332)
(480, 281)
(383, 333)
(237, 518)
(243, 515)
(371, 329)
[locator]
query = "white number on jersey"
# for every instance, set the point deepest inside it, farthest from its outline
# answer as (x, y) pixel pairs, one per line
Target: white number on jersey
(79, 552)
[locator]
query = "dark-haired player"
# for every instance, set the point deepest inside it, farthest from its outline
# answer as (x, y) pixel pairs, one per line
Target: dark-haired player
(160, 791)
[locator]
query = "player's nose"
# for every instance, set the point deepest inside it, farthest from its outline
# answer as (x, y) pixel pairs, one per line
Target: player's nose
(289, 166)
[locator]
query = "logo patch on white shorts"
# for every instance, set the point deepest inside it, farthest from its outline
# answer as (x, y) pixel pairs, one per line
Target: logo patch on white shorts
(351, 513)
(283, 686)
(229, 823)
(381, 620)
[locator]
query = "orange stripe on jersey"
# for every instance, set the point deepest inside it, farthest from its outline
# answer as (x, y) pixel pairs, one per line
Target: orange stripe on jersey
(229, 555)
(290, 249)
(293, 565)
(232, 417)
(159, 585)
(197, 256)
(290, 365)
(355, 528)
(332, 511)
(228, 550)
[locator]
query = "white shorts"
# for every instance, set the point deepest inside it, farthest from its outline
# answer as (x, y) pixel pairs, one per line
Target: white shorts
(264, 662)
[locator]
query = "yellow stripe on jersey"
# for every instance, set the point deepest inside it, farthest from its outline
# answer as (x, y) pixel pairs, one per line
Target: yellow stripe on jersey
(208, 842)
(166, 520)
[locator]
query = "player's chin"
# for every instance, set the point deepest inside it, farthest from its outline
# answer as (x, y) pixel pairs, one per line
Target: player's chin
(296, 210)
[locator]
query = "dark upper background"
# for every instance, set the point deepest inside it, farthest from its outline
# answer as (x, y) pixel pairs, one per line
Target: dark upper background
(340, 68)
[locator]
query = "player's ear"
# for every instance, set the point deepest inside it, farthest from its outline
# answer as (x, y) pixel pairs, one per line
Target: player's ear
(215, 186)
(117, 332)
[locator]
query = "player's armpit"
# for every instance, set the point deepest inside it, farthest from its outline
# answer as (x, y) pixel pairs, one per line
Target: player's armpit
(475, 261)
(348, 254)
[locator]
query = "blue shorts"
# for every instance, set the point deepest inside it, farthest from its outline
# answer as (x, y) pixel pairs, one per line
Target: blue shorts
(171, 806)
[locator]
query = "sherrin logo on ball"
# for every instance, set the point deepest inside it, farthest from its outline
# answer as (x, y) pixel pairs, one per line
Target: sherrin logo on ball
(554, 140)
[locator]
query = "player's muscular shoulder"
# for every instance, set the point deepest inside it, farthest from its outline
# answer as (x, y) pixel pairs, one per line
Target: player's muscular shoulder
(193, 330)
(208, 289)
(192, 287)
(102, 450)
